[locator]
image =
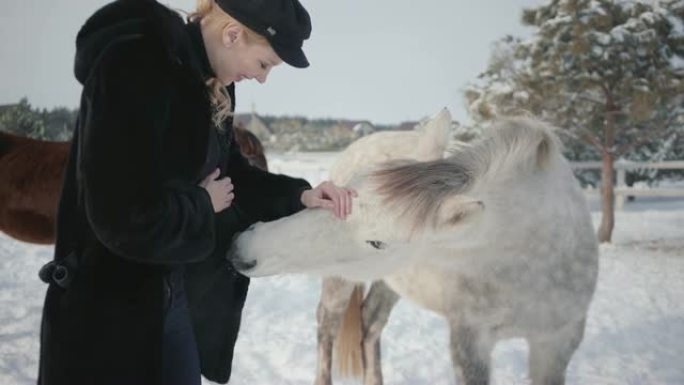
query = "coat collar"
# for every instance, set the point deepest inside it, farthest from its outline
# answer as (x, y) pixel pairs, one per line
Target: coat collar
(199, 50)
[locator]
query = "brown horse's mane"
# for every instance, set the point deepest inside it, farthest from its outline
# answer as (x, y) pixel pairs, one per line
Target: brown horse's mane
(6, 142)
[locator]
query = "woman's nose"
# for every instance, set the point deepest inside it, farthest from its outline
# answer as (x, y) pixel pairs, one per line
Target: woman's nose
(263, 76)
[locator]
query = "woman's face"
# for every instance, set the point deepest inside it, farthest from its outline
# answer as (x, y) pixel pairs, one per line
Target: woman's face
(236, 57)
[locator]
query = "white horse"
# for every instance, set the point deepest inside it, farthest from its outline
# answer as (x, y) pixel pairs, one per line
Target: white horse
(497, 238)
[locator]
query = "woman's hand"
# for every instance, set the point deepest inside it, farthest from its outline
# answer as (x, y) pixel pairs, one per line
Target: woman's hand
(329, 196)
(220, 190)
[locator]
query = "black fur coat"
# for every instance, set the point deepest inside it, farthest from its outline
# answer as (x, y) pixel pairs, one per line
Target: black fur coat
(131, 207)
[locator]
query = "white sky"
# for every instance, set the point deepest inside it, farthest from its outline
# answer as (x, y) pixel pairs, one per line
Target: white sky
(381, 60)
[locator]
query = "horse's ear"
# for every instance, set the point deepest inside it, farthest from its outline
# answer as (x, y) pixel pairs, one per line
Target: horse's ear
(434, 137)
(458, 208)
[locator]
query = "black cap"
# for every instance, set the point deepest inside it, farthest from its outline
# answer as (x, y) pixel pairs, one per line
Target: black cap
(284, 23)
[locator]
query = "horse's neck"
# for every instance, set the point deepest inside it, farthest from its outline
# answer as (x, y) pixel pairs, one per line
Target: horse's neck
(423, 285)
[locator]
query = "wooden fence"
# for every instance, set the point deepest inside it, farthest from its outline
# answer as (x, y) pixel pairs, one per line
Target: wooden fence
(622, 190)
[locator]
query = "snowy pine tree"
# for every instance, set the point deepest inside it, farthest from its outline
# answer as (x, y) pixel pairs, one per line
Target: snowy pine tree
(610, 72)
(22, 119)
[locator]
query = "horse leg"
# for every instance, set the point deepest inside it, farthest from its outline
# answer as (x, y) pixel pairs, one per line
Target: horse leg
(376, 310)
(335, 295)
(551, 354)
(471, 347)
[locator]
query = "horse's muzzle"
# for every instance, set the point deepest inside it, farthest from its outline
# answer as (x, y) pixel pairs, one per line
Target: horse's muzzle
(234, 258)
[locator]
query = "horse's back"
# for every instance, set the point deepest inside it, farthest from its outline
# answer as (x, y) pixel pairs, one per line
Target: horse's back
(31, 172)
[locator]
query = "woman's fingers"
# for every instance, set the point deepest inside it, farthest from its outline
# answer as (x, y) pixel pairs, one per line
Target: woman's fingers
(228, 190)
(343, 204)
(228, 185)
(220, 190)
(347, 203)
(336, 197)
(339, 197)
(326, 203)
(210, 178)
(329, 196)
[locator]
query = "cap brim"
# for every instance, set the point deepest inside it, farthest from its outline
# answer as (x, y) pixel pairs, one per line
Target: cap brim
(292, 56)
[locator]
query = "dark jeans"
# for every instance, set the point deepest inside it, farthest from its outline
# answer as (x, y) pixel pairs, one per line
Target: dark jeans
(180, 359)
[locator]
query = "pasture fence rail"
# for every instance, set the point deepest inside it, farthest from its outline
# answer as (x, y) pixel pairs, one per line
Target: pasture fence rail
(622, 190)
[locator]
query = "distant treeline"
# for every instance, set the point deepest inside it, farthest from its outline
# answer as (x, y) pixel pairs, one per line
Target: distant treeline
(22, 119)
(58, 123)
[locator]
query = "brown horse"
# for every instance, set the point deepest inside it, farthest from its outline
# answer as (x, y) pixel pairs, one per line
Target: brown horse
(250, 147)
(31, 173)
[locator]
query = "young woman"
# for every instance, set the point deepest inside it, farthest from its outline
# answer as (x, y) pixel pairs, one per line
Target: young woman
(140, 292)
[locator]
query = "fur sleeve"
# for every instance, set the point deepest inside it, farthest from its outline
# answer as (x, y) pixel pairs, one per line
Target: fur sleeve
(260, 195)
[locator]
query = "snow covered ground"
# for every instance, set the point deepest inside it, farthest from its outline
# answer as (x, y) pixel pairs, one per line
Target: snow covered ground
(635, 333)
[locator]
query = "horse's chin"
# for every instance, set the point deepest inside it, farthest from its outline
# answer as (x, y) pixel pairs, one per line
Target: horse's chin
(254, 269)
(243, 267)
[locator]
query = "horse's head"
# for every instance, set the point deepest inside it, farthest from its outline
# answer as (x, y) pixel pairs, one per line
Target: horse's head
(396, 215)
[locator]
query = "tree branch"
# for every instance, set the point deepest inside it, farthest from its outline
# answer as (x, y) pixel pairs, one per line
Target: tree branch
(617, 112)
(590, 138)
(588, 99)
(656, 134)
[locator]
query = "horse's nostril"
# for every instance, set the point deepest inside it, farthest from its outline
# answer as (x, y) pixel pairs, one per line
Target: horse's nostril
(241, 265)
(377, 244)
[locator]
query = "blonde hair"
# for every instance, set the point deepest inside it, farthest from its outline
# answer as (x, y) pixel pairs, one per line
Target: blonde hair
(207, 11)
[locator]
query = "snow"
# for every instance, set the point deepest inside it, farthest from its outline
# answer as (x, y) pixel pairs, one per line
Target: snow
(634, 336)
(677, 26)
(561, 19)
(677, 63)
(602, 38)
(522, 96)
(619, 33)
(649, 18)
(501, 88)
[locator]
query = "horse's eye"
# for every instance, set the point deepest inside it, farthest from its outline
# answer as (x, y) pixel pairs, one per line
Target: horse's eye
(377, 244)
